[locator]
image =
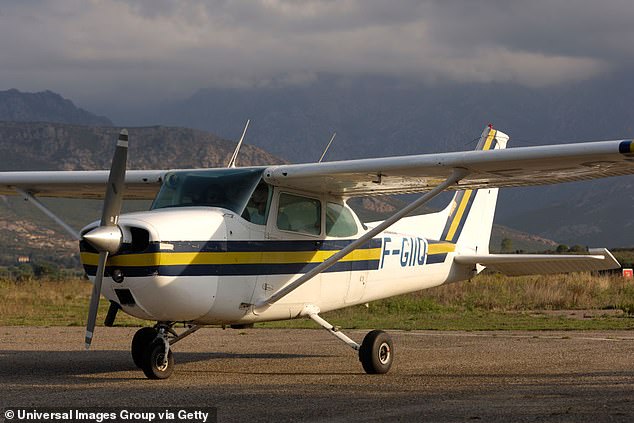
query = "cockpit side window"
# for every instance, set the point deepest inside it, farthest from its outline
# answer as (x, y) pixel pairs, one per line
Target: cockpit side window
(299, 214)
(257, 209)
(339, 221)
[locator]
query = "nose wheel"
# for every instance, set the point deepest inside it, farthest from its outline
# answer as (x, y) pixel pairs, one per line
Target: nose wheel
(151, 352)
(151, 349)
(140, 343)
(158, 360)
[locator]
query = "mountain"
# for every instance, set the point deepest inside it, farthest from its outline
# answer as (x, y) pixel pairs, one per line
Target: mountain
(378, 116)
(51, 146)
(45, 106)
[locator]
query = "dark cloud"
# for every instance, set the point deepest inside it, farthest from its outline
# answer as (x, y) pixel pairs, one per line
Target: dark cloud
(147, 50)
(581, 28)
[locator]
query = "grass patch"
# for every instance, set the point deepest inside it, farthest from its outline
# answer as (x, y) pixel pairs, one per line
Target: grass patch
(496, 302)
(52, 303)
(488, 302)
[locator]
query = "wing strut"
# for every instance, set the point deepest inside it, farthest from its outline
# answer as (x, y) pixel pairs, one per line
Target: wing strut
(457, 175)
(30, 197)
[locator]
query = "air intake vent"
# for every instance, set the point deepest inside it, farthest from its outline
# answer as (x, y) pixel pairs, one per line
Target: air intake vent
(140, 240)
(125, 297)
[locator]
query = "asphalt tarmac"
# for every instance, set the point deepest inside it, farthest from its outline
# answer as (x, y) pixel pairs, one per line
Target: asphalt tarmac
(265, 375)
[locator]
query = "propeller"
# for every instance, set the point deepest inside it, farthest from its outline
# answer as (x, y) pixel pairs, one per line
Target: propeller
(106, 238)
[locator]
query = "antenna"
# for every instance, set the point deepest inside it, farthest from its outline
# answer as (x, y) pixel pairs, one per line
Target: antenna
(234, 156)
(327, 147)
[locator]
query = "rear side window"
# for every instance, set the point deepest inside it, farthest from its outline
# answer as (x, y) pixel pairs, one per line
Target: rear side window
(339, 221)
(299, 214)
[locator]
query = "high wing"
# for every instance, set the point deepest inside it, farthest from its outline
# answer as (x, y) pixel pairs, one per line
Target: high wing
(540, 264)
(140, 184)
(521, 166)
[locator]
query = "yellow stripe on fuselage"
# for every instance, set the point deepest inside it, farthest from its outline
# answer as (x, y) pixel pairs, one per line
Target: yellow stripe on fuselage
(444, 247)
(189, 258)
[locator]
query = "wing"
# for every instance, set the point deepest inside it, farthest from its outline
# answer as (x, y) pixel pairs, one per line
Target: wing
(540, 264)
(140, 184)
(494, 168)
(392, 175)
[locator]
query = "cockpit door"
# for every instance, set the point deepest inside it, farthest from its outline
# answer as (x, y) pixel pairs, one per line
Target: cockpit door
(292, 247)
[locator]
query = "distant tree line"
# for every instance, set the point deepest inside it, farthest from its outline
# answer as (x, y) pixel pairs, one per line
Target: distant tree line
(25, 272)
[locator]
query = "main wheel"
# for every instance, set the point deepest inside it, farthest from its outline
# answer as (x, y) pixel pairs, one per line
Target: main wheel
(376, 352)
(140, 342)
(154, 365)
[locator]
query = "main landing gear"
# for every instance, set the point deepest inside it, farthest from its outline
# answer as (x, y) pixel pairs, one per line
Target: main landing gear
(151, 350)
(376, 352)
(151, 347)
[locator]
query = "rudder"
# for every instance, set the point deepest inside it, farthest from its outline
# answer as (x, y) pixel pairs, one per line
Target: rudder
(471, 211)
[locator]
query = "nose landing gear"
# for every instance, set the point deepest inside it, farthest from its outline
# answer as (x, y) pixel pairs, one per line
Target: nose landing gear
(151, 350)
(158, 360)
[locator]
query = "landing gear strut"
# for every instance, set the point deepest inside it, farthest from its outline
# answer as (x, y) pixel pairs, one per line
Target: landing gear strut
(151, 350)
(376, 352)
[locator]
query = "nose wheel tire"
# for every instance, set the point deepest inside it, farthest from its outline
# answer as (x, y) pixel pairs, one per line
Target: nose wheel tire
(154, 364)
(376, 352)
(141, 342)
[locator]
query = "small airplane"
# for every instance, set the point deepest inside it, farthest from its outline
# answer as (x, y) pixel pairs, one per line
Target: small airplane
(239, 245)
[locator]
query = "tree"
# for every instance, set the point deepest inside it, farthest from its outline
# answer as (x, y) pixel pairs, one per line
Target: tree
(562, 248)
(507, 245)
(578, 249)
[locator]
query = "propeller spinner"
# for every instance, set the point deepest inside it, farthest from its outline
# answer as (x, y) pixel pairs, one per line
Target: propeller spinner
(107, 237)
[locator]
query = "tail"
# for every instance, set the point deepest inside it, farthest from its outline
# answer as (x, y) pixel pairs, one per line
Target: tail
(470, 213)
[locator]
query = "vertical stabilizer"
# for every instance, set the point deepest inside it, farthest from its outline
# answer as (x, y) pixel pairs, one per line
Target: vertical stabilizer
(471, 212)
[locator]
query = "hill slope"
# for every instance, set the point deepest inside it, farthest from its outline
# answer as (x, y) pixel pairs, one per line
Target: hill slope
(50, 146)
(45, 106)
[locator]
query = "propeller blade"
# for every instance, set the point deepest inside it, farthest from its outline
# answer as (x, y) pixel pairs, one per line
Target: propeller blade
(105, 238)
(94, 298)
(116, 182)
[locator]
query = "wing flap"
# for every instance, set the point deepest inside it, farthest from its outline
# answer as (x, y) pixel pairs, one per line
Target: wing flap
(538, 264)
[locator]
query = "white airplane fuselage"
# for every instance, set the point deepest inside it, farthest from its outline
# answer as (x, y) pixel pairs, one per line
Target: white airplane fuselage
(207, 265)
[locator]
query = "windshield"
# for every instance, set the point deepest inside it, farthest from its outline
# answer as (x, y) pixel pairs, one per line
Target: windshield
(226, 188)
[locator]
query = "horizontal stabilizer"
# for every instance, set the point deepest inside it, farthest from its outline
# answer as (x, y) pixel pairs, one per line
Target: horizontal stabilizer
(539, 264)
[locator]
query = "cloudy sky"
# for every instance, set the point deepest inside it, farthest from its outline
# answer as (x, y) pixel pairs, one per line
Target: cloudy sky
(153, 50)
